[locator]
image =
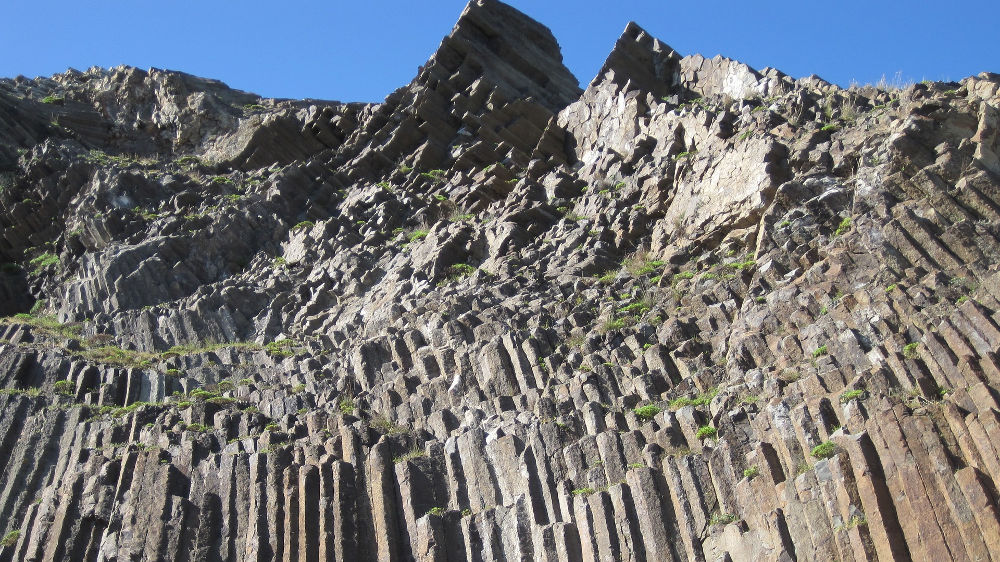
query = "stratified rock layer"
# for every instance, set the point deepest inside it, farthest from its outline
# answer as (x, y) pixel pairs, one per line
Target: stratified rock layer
(694, 312)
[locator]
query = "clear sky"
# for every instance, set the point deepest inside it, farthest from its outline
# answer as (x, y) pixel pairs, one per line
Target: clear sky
(361, 51)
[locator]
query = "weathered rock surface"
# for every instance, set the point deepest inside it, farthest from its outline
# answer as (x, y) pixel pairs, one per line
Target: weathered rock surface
(694, 312)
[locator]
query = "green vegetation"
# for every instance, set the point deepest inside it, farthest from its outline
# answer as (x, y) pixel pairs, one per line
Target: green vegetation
(648, 412)
(613, 324)
(434, 175)
(706, 432)
(910, 350)
(683, 275)
(64, 387)
(385, 425)
(146, 214)
(439, 511)
(43, 261)
(829, 127)
(751, 472)
(202, 394)
(48, 325)
(38, 307)
(114, 355)
(820, 351)
(417, 235)
(101, 158)
(891, 288)
(188, 161)
(53, 99)
(608, 277)
(741, 265)
(851, 395)
(122, 411)
(721, 519)
(32, 392)
(457, 272)
(10, 539)
(854, 521)
(414, 453)
(280, 348)
(583, 491)
(346, 405)
(95, 349)
(634, 308)
(639, 265)
(703, 399)
(304, 224)
(824, 450)
(686, 154)
(962, 300)
(843, 227)
(298, 388)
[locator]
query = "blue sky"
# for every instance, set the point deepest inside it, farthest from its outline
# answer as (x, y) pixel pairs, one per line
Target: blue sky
(361, 51)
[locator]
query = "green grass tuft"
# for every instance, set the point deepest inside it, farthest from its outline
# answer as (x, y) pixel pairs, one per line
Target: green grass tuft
(706, 432)
(648, 412)
(851, 395)
(843, 227)
(824, 450)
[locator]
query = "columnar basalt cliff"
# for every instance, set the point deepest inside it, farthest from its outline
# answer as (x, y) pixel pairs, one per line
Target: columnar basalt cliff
(696, 311)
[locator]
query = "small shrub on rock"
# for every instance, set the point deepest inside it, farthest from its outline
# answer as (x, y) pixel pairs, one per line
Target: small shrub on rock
(824, 450)
(707, 432)
(648, 412)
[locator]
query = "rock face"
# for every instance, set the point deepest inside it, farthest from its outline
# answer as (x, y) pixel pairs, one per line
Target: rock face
(694, 312)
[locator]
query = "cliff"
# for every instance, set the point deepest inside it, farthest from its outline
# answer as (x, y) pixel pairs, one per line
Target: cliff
(696, 311)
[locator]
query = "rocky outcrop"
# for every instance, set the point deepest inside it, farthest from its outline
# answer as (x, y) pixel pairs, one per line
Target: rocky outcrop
(694, 312)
